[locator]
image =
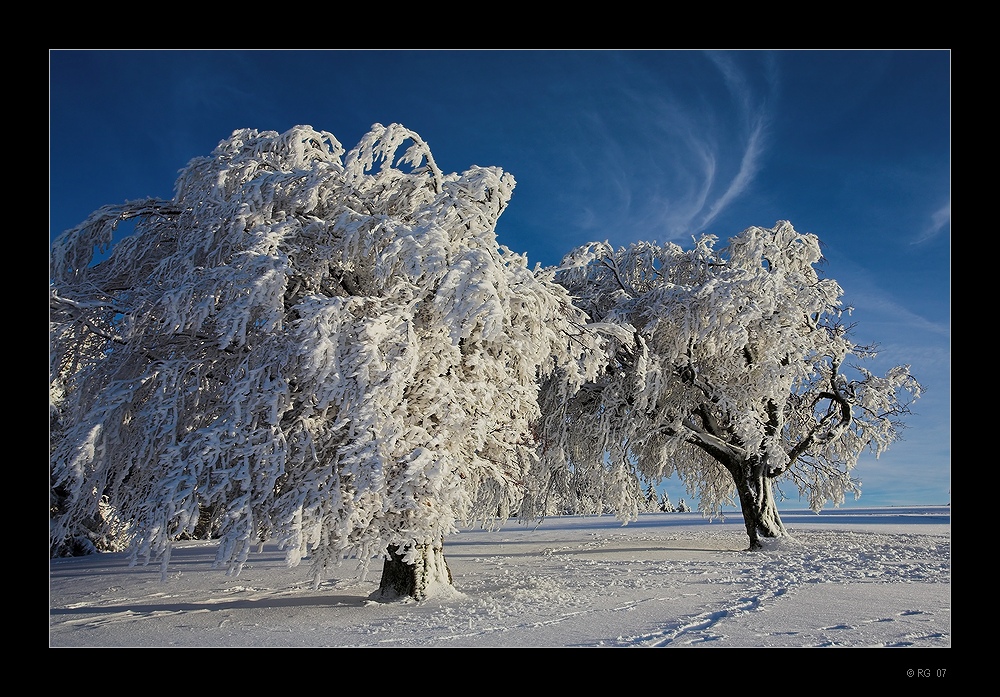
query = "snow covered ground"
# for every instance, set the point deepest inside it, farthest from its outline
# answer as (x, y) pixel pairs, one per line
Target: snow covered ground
(851, 577)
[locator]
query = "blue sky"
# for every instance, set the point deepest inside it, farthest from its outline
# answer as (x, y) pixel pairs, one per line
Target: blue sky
(854, 146)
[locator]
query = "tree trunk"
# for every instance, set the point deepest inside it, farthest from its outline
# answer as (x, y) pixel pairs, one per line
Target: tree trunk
(760, 511)
(401, 580)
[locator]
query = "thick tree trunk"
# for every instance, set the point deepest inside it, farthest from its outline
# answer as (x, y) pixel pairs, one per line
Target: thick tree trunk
(760, 511)
(401, 580)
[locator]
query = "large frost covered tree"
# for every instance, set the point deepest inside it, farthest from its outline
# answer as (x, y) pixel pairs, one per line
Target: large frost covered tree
(741, 377)
(326, 349)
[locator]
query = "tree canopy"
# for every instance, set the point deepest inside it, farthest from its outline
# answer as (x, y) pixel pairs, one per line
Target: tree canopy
(744, 376)
(329, 349)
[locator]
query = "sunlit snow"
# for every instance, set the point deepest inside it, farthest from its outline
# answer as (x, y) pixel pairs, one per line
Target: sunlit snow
(845, 578)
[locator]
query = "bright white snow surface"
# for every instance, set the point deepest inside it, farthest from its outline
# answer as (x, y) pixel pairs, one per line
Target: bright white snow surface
(850, 577)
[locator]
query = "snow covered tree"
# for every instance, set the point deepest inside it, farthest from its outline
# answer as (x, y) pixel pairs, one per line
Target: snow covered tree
(327, 350)
(737, 378)
(665, 505)
(652, 503)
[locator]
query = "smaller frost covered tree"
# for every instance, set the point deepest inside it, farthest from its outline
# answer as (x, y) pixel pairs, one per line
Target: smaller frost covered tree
(665, 505)
(652, 502)
(326, 349)
(740, 377)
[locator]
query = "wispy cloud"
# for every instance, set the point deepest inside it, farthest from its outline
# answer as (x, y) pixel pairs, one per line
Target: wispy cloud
(692, 148)
(749, 166)
(750, 105)
(940, 220)
(875, 301)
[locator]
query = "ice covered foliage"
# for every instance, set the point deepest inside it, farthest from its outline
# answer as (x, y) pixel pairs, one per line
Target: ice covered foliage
(329, 349)
(743, 379)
